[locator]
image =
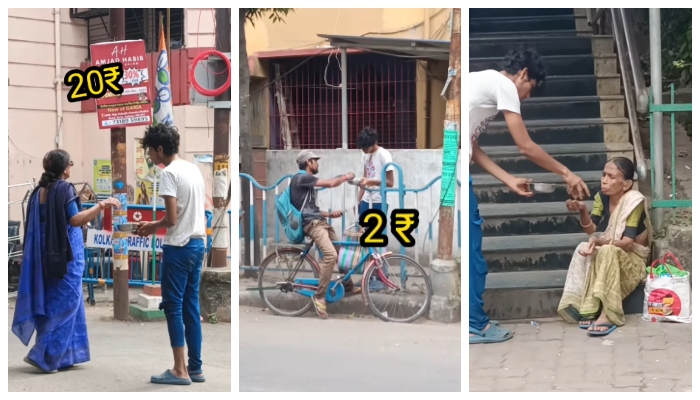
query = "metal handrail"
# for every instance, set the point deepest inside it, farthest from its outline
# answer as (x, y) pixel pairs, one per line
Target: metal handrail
(636, 92)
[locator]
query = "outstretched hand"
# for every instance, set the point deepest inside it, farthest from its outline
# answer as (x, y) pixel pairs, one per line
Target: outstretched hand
(520, 186)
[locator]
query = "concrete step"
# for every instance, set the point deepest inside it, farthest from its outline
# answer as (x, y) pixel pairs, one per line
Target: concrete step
(536, 294)
(490, 190)
(521, 24)
(530, 218)
(530, 252)
(516, 12)
(560, 131)
(575, 156)
(582, 64)
(579, 85)
(539, 108)
(498, 46)
(563, 32)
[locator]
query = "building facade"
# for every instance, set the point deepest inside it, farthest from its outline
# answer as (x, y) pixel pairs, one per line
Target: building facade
(389, 89)
(44, 44)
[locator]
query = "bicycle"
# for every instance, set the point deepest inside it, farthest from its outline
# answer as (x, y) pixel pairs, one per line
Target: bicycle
(305, 288)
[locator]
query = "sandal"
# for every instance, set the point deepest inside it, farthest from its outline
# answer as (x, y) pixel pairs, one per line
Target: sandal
(167, 378)
(495, 334)
(196, 376)
(606, 332)
(320, 308)
(585, 326)
(35, 365)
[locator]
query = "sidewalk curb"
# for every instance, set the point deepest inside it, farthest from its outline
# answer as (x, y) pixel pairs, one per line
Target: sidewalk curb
(349, 305)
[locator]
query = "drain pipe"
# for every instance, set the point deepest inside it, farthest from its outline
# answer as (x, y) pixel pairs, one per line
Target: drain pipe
(58, 80)
(657, 183)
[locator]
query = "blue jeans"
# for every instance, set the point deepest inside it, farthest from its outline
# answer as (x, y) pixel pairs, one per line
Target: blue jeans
(477, 265)
(364, 206)
(180, 276)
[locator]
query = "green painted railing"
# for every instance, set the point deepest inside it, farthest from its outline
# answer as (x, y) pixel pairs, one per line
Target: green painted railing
(672, 108)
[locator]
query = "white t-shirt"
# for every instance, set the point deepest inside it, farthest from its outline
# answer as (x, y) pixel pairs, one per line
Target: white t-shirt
(182, 180)
(489, 92)
(373, 164)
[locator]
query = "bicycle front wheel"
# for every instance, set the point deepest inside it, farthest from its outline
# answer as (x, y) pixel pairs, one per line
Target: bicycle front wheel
(398, 289)
(275, 281)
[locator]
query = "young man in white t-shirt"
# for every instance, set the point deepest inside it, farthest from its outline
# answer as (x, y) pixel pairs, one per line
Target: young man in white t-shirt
(182, 189)
(491, 92)
(374, 158)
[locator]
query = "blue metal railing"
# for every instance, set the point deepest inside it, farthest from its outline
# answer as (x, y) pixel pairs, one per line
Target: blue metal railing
(98, 261)
(423, 233)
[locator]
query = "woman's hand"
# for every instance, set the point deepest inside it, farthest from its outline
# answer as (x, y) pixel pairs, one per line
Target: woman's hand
(575, 206)
(590, 249)
(520, 186)
(110, 202)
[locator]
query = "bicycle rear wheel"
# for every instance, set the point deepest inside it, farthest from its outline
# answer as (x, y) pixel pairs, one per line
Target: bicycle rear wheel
(398, 290)
(275, 285)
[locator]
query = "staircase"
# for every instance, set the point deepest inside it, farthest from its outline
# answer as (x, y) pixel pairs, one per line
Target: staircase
(578, 117)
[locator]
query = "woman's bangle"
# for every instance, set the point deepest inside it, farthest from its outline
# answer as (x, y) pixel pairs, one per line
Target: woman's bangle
(585, 226)
(102, 207)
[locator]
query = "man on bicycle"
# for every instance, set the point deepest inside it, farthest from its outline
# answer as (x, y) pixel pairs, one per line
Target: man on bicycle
(314, 220)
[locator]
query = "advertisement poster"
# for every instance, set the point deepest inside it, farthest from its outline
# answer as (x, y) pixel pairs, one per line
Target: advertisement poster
(146, 174)
(133, 106)
(205, 163)
(102, 177)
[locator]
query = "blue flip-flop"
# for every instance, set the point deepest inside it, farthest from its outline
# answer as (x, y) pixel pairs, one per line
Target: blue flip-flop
(197, 376)
(167, 378)
(585, 327)
(606, 332)
(495, 334)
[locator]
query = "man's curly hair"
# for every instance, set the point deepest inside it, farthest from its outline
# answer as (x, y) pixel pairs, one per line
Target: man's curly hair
(162, 135)
(520, 58)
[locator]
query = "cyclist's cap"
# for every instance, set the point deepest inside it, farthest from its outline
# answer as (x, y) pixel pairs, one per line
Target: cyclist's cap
(306, 155)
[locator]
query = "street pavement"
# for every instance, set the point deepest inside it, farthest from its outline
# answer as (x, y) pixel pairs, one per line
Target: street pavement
(555, 356)
(124, 355)
(346, 354)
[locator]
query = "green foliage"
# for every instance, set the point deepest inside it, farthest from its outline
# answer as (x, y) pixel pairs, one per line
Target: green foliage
(676, 44)
(275, 14)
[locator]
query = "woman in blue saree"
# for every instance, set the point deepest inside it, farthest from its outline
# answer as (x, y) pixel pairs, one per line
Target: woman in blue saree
(50, 296)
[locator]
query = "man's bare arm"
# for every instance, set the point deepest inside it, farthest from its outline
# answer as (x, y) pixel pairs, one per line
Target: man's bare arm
(483, 160)
(530, 149)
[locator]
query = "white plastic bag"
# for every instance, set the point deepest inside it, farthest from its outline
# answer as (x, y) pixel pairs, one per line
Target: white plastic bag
(667, 297)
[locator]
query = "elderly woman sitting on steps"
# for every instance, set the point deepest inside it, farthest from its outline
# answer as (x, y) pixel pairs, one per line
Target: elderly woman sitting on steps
(608, 267)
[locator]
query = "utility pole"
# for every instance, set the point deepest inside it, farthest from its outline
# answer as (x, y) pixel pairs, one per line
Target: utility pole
(117, 31)
(245, 146)
(222, 140)
(445, 303)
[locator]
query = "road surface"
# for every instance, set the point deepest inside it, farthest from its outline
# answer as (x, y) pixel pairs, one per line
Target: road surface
(124, 356)
(346, 354)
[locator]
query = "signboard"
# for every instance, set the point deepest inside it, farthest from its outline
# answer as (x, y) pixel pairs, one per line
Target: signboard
(135, 215)
(146, 174)
(205, 163)
(101, 239)
(102, 177)
(133, 106)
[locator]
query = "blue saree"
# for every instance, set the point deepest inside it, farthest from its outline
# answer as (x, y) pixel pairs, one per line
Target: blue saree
(53, 308)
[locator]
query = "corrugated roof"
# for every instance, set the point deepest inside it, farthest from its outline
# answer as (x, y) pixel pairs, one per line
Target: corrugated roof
(413, 48)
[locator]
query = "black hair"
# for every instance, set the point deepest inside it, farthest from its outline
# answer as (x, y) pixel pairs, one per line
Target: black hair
(520, 58)
(303, 165)
(55, 162)
(166, 136)
(626, 166)
(367, 138)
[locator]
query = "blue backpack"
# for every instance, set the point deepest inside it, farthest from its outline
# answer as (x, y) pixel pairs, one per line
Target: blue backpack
(290, 218)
